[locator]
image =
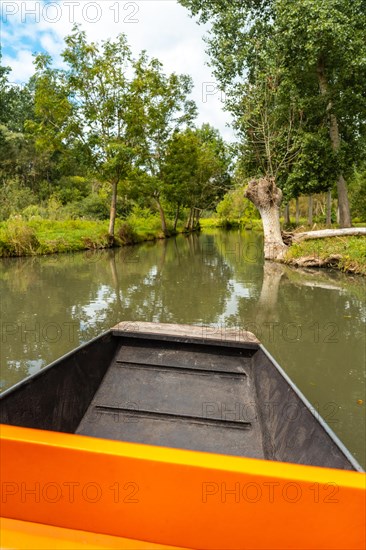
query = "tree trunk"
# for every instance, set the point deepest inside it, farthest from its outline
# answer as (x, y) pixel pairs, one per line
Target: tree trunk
(329, 208)
(286, 214)
(197, 214)
(310, 210)
(297, 211)
(113, 211)
(335, 138)
(266, 196)
(188, 221)
(343, 205)
(176, 217)
(162, 217)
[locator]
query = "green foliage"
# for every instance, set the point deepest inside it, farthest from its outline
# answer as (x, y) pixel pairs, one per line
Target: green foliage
(94, 207)
(143, 220)
(236, 209)
(93, 139)
(35, 212)
(196, 168)
(16, 102)
(14, 198)
(358, 195)
(72, 188)
(315, 166)
(292, 72)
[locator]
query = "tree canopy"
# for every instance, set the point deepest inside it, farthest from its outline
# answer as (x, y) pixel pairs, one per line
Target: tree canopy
(294, 75)
(108, 125)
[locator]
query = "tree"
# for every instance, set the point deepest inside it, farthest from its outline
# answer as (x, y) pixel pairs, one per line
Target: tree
(180, 169)
(324, 47)
(215, 161)
(102, 122)
(163, 108)
(196, 171)
(16, 151)
(16, 101)
(123, 111)
(277, 53)
(48, 126)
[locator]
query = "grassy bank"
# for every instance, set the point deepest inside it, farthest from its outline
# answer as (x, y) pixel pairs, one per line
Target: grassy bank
(345, 253)
(35, 237)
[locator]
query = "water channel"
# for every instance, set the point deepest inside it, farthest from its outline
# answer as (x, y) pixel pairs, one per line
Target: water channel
(313, 322)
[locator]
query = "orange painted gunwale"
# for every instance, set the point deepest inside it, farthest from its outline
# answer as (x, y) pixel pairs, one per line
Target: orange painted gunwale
(184, 498)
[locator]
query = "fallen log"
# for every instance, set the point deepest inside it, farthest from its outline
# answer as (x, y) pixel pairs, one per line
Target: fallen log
(325, 233)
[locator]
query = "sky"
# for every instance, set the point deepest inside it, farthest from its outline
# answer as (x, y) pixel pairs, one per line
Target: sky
(161, 27)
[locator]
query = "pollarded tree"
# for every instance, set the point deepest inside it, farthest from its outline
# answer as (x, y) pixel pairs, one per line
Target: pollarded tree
(268, 123)
(242, 48)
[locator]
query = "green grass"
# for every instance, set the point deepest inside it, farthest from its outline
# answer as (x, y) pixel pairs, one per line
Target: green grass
(346, 253)
(21, 238)
(36, 237)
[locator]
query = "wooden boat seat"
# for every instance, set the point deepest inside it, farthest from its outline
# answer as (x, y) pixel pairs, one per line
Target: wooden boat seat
(178, 396)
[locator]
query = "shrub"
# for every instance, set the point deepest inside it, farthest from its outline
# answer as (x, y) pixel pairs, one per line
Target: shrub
(126, 234)
(34, 211)
(235, 208)
(94, 206)
(72, 189)
(14, 198)
(17, 238)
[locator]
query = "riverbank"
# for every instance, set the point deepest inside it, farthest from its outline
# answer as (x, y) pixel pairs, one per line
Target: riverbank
(348, 254)
(41, 237)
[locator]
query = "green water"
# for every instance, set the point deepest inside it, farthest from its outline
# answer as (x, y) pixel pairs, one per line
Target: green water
(312, 322)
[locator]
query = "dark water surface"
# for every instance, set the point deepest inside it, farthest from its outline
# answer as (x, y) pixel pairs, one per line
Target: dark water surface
(313, 322)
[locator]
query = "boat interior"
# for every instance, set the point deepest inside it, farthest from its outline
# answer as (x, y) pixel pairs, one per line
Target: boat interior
(219, 396)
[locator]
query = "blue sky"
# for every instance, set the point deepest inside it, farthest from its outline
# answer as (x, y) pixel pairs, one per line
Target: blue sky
(162, 27)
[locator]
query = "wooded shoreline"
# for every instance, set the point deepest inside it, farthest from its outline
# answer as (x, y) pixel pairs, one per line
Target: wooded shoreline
(346, 253)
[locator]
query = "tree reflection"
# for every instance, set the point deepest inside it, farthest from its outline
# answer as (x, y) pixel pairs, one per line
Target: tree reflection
(52, 304)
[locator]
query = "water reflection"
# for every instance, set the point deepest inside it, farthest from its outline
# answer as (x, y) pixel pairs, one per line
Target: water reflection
(313, 322)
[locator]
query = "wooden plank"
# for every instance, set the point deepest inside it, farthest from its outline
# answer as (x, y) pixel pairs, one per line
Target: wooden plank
(194, 357)
(203, 333)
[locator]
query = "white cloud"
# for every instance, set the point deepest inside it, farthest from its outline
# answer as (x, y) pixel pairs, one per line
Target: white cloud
(161, 27)
(22, 66)
(51, 43)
